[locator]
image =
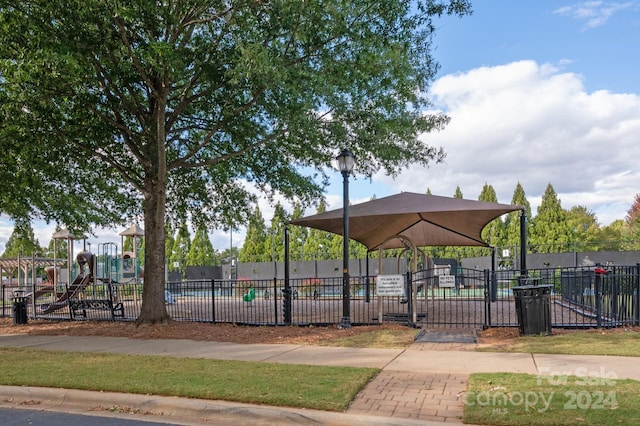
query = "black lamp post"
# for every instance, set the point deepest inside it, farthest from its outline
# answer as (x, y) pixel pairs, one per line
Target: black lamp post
(346, 160)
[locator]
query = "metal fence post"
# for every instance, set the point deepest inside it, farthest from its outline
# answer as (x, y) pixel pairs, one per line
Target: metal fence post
(409, 290)
(275, 300)
(213, 300)
(637, 292)
(490, 293)
(598, 293)
(286, 302)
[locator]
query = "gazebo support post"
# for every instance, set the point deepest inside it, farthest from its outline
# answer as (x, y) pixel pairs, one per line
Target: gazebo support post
(286, 302)
(523, 243)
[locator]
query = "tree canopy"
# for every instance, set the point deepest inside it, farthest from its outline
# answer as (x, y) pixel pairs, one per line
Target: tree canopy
(177, 109)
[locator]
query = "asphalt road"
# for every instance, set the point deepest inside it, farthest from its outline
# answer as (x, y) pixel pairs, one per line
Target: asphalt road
(23, 417)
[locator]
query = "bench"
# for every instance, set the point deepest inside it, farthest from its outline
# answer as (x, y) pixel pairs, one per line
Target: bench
(85, 305)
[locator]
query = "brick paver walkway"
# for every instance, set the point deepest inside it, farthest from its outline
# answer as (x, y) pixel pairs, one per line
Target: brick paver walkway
(415, 395)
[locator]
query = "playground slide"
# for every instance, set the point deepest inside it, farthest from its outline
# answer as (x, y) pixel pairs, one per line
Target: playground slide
(78, 284)
(50, 271)
(250, 295)
(39, 293)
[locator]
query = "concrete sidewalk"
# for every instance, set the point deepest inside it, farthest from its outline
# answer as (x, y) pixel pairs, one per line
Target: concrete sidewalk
(423, 384)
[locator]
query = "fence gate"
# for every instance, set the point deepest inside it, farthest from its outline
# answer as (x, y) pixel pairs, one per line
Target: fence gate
(451, 300)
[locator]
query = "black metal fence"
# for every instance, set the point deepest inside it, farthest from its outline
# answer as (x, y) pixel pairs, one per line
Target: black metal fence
(466, 298)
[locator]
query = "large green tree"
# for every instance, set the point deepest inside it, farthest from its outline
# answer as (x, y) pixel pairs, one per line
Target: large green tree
(512, 221)
(318, 242)
(550, 230)
(57, 248)
(493, 233)
(584, 227)
(171, 107)
(169, 242)
(274, 245)
(201, 251)
(297, 235)
(22, 241)
(181, 248)
(253, 248)
(632, 222)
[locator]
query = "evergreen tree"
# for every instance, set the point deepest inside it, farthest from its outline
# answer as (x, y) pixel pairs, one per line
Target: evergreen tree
(511, 239)
(169, 242)
(550, 231)
(493, 233)
(512, 221)
(201, 250)
(254, 245)
(274, 244)
(584, 227)
(141, 246)
(128, 244)
(318, 242)
(458, 193)
(298, 236)
(57, 246)
(181, 248)
(357, 250)
(335, 247)
(22, 241)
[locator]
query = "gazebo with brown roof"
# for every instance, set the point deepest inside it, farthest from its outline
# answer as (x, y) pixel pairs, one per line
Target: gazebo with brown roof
(420, 219)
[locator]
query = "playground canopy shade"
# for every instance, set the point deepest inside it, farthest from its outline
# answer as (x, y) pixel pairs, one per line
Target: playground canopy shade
(425, 220)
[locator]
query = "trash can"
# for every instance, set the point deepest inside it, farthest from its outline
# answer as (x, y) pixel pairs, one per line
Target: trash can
(19, 307)
(533, 307)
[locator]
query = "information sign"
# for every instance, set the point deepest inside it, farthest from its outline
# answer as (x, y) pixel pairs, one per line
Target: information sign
(390, 285)
(447, 281)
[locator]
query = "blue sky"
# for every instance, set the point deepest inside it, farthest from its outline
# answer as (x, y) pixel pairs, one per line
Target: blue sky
(538, 92)
(596, 39)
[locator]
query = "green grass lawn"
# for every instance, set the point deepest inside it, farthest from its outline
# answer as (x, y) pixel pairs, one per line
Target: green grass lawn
(317, 387)
(523, 399)
(584, 342)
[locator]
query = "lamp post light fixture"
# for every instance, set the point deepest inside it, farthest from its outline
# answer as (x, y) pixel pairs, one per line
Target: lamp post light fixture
(346, 161)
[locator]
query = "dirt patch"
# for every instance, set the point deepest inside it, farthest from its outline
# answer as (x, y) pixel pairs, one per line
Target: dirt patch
(191, 330)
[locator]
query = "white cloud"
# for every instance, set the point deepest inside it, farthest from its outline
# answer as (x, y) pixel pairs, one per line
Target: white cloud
(593, 13)
(519, 122)
(534, 124)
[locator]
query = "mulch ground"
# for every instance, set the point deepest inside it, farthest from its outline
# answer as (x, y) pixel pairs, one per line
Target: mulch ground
(190, 330)
(310, 335)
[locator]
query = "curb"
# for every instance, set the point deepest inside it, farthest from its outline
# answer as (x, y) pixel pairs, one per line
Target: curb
(185, 411)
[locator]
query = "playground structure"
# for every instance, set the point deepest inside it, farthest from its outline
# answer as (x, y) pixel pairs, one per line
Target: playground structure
(98, 279)
(80, 282)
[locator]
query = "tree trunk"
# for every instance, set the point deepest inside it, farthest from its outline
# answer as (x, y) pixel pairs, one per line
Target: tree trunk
(153, 304)
(155, 188)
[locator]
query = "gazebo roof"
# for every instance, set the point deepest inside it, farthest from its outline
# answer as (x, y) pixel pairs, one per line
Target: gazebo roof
(425, 220)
